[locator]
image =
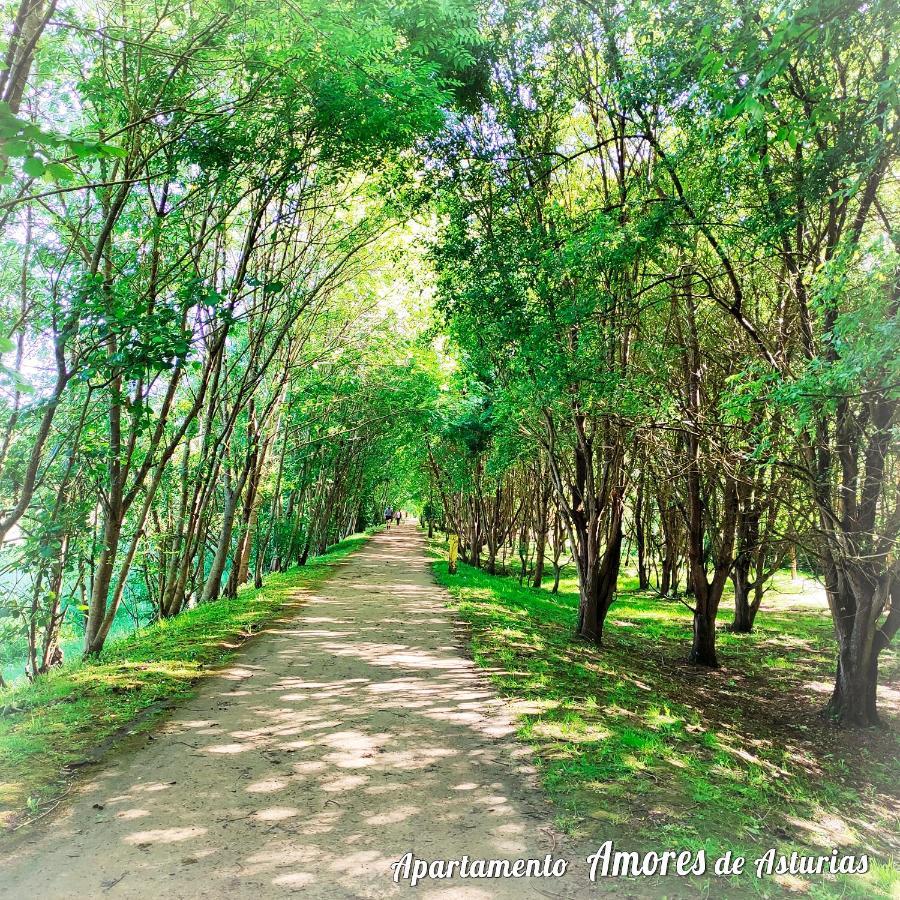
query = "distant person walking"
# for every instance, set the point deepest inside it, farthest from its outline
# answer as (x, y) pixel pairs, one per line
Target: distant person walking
(399, 515)
(388, 515)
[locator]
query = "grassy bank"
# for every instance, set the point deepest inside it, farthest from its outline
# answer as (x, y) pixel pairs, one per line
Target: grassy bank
(49, 728)
(636, 745)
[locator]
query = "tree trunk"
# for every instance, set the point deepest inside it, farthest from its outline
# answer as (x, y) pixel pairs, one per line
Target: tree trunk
(665, 577)
(94, 636)
(539, 557)
(853, 701)
(707, 593)
(27, 28)
(599, 589)
(244, 567)
(743, 619)
(640, 537)
(590, 621)
(856, 606)
(540, 550)
(703, 648)
(740, 578)
(304, 553)
(214, 578)
(51, 654)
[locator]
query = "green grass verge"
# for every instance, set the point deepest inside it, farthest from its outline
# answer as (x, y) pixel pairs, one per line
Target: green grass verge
(635, 745)
(63, 718)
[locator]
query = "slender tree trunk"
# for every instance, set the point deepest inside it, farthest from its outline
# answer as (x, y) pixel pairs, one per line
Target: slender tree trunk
(304, 553)
(540, 553)
(541, 527)
(640, 537)
(51, 654)
(214, 579)
(93, 635)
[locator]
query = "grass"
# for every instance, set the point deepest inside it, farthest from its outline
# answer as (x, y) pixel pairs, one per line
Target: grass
(49, 728)
(636, 745)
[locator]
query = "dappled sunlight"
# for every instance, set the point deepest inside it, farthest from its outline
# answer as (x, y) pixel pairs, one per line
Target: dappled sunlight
(792, 884)
(309, 767)
(165, 835)
(277, 814)
(344, 783)
(129, 814)
(331, 747)
(279, 855)
(562, 731)
(353, 863)
(266, 786)
(393, 816)
(295, 880)
(396, 656)
(152, 788)
(239, 673)
(229, 748)
(636, 738)
(825, 830)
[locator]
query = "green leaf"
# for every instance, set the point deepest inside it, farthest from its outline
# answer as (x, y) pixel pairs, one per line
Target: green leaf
(16, 148)
(59, 172)
(110, 150)
(82, 149)
(33, 167)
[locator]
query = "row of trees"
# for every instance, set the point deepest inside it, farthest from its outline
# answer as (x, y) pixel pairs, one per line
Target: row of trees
(670, 267)
(666, 254)
(510, 520)
(200, 377)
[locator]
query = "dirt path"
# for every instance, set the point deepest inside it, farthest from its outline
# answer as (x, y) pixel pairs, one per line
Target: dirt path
(335, 743)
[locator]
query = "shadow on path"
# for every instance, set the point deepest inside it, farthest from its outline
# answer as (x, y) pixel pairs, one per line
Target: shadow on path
(336, 742)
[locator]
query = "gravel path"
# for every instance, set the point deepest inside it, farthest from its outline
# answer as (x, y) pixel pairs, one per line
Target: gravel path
(338, 740)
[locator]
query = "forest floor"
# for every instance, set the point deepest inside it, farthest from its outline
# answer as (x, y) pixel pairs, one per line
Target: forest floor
(352, 730)
(635, 744)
